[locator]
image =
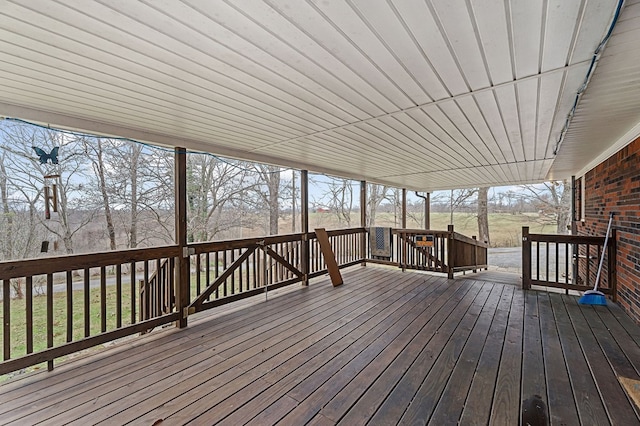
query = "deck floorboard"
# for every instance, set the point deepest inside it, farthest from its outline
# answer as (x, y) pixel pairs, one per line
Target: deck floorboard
(387, 347)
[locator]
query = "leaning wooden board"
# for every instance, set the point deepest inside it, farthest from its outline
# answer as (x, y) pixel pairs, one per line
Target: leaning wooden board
(329, 257)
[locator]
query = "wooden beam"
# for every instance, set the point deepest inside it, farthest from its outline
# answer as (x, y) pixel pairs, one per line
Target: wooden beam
(526, 258)
(363, 220)
(304, 226)
(451, 253)
(329, 257)
(427, 211)
(182, 265)
(404, 208)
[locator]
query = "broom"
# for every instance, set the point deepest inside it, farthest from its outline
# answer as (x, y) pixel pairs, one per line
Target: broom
(595, 297)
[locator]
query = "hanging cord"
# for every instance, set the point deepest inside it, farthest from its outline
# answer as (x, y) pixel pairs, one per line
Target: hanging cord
(587, 78)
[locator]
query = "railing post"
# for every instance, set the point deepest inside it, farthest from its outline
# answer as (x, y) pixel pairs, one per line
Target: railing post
(526, 259)
(404, 208)
(403, 246)
(182, 280)
(475, 254)
(427, 211)
(450, 251)
(304, 224)
(363, 221)
(612, 263)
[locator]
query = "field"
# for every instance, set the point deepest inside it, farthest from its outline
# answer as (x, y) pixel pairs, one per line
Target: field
(505, 229)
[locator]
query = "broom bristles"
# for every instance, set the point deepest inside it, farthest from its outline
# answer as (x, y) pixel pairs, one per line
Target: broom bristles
(593, 297)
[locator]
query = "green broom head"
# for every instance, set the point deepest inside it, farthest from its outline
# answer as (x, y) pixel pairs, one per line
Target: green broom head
(593, 297)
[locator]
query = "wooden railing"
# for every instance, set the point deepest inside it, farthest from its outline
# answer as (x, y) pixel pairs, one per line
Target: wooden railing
(347, 247)
(231, 270)
(466, 254)
(569, 262)
(438, 251)
(74, 302)
(409, 255)
(157, 294)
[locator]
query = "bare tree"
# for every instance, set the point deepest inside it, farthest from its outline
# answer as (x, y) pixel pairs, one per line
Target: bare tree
(553, 201)
(268, 191)
(214, 185)
(27, 175)
(376, 194)
(458, 199)
(339, 199)
(95, 152)
(483, 214)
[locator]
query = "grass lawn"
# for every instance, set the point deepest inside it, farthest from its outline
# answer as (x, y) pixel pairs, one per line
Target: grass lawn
(505, 229)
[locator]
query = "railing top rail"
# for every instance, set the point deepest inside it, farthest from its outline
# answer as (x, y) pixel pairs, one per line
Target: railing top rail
(210, 246)
(49, 265)
(460, 237)
(420, 232)
(52, 264)
(346, 231)
(571, 239)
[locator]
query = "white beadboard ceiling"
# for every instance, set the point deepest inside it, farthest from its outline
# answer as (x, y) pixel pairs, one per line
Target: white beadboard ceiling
(423, 94)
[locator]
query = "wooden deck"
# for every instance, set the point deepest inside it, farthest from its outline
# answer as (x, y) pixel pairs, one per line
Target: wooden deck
(386, 347)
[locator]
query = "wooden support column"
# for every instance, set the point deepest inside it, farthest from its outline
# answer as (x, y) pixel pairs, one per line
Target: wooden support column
(526, 258)
(451, 253)
(304, 226)
(182, 273)
(404, 208)
(363, 221)
(427, 211)
(574, 231)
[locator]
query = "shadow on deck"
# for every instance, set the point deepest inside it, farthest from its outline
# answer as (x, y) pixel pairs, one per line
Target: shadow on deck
(387, 347)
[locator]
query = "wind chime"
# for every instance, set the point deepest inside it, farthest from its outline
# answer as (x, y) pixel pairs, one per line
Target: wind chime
(51, 176)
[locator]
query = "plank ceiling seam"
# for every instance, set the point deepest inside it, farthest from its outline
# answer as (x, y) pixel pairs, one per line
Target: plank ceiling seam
(435, 103)
(144, 67)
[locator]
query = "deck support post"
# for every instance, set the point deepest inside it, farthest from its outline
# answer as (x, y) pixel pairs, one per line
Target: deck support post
(475, 253)
(526, 259)
(404, 208)
(182, 273)
(363, 221)
(427, 211)
(574, 231)
(451, 253)
(304, 225)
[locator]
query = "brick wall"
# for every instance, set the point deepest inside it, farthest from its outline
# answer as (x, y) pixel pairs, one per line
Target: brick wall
(614, 185)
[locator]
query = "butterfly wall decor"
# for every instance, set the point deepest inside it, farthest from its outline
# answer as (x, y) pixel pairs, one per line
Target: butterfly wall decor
(44, 157)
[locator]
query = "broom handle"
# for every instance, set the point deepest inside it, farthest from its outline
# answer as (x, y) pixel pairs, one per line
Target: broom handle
(604, 250)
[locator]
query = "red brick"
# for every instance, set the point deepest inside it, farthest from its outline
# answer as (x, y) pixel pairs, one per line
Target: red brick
(614, 185)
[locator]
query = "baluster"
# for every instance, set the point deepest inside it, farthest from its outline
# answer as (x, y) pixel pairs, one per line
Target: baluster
(6, 316)
(87, 302)
(103, 299)
(50, 317)
(29, 313)
(198, 266)
(132, 270)
(118, 294)
(217, 274)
